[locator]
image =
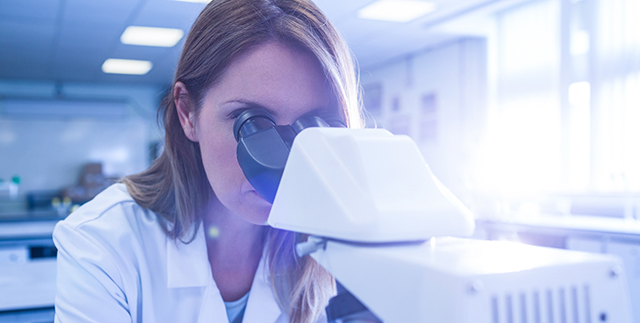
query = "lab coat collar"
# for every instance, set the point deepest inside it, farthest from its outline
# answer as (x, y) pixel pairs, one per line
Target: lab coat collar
(188, 266)
(188, 263)
(262, 305)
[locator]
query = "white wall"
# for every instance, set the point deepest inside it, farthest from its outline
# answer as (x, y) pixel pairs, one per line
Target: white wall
(440, 100)
(48, 150)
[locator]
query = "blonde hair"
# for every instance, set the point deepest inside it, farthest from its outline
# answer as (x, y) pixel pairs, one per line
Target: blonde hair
(176, 188)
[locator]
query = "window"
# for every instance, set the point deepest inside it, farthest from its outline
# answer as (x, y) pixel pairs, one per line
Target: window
(564, 116)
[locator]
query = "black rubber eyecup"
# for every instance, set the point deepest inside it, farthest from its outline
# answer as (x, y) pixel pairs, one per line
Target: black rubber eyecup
(246, 116)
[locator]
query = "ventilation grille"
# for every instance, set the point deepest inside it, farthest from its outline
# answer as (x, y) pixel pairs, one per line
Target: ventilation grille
(561, 305)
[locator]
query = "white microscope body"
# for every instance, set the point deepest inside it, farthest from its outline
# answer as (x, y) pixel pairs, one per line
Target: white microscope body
(383, 225)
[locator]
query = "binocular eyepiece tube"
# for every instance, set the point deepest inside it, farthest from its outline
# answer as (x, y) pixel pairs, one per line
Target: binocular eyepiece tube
(255, 120)
(252, 121)
(263, 146)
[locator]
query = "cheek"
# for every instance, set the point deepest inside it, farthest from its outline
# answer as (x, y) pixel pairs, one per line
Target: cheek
(221, 165)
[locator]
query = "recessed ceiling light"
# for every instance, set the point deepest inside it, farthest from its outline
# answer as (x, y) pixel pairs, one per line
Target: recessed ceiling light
(396, 10)
(126, 66)
(151, 36)
(196, 1)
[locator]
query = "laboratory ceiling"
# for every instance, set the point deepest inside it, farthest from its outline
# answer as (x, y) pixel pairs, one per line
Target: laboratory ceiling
(68, 40)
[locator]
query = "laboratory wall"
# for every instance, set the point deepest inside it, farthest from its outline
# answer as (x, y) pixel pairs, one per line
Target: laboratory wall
(49, 131)
(437, 96)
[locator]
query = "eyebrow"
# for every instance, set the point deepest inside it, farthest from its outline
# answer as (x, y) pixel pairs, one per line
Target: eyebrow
(257, 105)
(251, 104)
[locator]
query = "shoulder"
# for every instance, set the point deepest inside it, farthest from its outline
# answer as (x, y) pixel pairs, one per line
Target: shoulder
(111, 212)
(114, 222)
(115, 202)
(113, 238)
(103, 247)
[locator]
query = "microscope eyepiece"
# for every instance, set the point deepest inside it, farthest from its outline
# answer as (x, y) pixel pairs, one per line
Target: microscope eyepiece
(252, 121)
(333, 120)
(263, 146)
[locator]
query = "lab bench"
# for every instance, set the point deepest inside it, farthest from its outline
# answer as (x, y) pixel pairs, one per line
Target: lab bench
(27, 267)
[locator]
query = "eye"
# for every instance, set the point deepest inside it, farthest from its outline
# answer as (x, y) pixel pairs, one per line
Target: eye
(235, 113)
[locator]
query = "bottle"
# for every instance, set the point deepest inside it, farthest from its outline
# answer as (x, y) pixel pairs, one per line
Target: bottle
(14, 185)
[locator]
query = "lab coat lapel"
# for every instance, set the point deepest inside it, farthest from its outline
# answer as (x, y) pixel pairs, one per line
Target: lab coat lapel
(262, 306)
(188, 264)
(213, 309)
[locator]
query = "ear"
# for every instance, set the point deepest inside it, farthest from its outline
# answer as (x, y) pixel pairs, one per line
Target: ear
(185, 113)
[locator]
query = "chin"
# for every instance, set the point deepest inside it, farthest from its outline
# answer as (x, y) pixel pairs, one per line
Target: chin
(258, 214)
(255, 208)
(258, 220)
(263, 217)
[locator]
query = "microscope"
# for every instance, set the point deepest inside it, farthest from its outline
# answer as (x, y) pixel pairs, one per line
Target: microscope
(391, 234)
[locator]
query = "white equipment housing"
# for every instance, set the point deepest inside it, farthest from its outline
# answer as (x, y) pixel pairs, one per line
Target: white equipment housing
(374, 209)
(455, 280)
(364, 185)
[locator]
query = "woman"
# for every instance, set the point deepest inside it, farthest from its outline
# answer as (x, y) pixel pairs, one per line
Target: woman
(186, 240)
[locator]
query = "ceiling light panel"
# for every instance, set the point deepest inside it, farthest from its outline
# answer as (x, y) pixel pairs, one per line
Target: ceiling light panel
(151, 36)
(195, 1)
(396, 10)
(126, 66)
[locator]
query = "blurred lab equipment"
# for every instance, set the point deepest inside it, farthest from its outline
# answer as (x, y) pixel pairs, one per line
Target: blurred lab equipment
(92, 181)
(27, 269)
(10, 188)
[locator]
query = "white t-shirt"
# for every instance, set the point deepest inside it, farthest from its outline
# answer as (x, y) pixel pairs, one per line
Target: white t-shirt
(115, 264)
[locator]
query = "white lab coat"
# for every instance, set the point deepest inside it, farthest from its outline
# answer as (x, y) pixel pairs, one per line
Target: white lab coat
(115, 264)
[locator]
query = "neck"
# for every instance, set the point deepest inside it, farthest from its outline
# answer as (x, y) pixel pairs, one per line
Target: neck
(231, 237)
(234, 247)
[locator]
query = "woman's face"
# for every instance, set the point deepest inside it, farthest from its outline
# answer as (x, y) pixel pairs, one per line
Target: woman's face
(283, 80)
